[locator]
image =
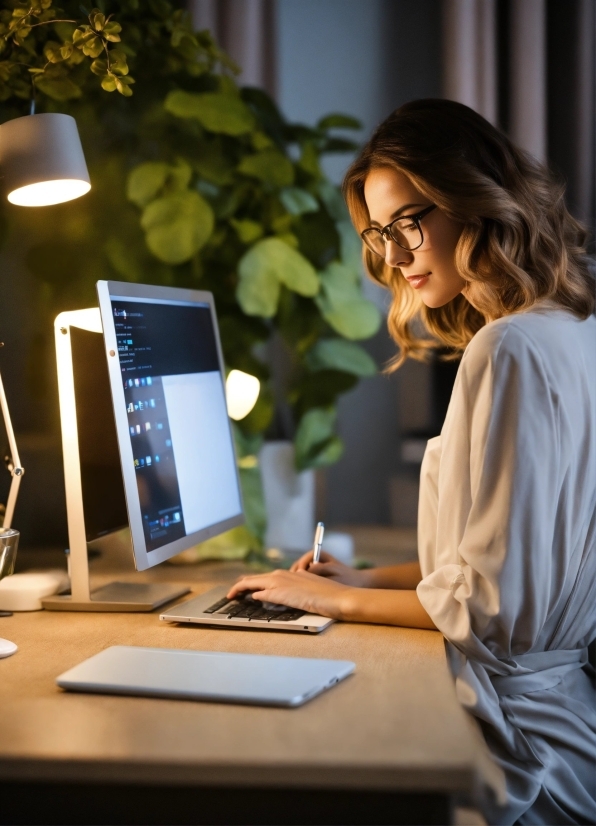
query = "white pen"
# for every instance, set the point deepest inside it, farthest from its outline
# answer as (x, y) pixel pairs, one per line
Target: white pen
(318, 542)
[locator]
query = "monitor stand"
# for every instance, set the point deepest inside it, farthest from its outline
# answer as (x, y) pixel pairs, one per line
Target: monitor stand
(122, 597)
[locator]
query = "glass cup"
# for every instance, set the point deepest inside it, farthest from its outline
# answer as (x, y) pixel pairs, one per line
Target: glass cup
(9, 542)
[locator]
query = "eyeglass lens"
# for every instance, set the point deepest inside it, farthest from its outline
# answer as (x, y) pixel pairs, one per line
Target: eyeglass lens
(405, 232)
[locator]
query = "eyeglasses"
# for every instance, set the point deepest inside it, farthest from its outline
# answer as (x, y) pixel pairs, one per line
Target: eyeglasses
(405, 231)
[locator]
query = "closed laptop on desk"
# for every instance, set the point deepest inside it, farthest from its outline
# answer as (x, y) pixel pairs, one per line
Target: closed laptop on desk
(205, 675)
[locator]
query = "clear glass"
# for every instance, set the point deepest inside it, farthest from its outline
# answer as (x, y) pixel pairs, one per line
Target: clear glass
(9, 543)
(405, 231)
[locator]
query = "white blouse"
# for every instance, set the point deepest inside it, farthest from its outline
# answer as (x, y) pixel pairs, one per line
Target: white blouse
(507, 544)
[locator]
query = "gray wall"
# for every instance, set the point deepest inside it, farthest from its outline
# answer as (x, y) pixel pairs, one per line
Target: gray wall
(364, 59)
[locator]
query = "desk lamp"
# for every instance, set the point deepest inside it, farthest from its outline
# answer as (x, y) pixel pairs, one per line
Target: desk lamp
(41, 163)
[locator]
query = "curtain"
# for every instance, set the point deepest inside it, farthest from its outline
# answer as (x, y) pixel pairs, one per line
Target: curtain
(245, 29)
(529, 66)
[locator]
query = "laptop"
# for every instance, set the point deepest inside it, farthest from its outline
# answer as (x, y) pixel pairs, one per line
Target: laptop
(214, 608)
(205, 675)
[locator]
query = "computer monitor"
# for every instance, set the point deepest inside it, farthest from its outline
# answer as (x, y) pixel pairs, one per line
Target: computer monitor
(147, 439)
(174, 436)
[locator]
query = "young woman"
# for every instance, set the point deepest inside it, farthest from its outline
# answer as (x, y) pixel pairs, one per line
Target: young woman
(472, 238)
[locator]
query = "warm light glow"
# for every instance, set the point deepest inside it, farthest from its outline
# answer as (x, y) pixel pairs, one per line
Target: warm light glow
(242, 392)
(46, 193)
(89, 319)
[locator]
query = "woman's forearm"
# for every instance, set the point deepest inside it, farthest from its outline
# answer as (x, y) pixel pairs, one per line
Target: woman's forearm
(400, 577)
(385, 607)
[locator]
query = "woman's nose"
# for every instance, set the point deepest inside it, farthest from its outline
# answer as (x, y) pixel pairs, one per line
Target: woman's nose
(396, 256)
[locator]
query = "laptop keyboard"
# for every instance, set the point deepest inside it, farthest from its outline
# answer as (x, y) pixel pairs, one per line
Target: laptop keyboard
(252, 609)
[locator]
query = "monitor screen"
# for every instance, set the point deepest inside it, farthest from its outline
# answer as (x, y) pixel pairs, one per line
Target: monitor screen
(173, 431)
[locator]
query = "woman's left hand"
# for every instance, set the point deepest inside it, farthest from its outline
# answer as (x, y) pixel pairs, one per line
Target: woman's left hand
(315, 594)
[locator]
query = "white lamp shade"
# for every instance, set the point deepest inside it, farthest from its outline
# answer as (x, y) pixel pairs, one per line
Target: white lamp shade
(42, 160)
(242, 392)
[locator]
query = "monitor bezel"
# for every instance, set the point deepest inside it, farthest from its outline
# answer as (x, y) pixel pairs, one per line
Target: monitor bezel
(106, 290)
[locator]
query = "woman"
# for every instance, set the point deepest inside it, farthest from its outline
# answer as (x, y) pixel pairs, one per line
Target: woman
(472, 237)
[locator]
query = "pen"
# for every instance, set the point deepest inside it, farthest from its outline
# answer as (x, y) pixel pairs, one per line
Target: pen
(318, 542)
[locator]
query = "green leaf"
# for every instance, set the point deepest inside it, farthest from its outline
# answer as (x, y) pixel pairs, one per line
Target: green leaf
(339, 354)
(97, 20)
(60, 89)
(179, 175)
(320, 389)
(253, 501)
(111, 31)
(350, 245)
(53, 52)
(118, 62)
(338, 121)
(99, 67)
(214, 164)
(258, 287)
(270, 166)
(263, 267)
(316, 444)
(328, 454)
(248, 231)
(343, 306)
(108, 84)
(123, 259)
(333, 200)
(309, 160)
(231, 545)
(298, 201)
(145, 181)
(123, 85)
(177, 226)
(215, 111)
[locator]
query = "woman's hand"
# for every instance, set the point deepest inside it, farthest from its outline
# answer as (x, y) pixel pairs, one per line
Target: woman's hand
(296, 589)
(332, 569)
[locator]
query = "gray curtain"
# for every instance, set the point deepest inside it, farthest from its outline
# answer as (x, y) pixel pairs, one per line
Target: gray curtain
(246, 30)
(529, 66)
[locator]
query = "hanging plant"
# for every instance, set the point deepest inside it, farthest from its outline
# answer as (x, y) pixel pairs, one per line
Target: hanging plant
(199, 183)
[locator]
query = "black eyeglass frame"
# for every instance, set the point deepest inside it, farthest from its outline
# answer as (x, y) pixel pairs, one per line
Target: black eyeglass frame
(385, 232)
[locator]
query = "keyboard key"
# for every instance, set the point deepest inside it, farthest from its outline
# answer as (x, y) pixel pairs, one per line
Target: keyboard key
(216, 606)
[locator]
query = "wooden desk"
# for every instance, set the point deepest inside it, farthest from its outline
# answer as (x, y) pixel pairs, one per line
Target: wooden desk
(388, 745)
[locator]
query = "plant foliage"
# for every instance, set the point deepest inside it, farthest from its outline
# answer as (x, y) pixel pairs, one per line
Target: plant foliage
(198, 183)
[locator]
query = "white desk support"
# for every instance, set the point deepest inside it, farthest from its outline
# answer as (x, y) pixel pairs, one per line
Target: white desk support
(15, 467)
(116, 596)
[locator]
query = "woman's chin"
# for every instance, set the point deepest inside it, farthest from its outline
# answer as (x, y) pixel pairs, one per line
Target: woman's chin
(434, 300)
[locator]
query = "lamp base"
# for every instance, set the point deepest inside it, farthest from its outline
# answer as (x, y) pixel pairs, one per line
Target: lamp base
(122, 597)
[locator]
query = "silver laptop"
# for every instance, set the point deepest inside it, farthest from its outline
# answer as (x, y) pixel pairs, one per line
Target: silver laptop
(205, 675)
(214, 608)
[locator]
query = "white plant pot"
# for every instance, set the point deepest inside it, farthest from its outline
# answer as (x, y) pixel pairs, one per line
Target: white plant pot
(289, 499)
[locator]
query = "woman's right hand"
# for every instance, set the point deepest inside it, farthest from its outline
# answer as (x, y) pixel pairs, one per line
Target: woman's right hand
(330, 567)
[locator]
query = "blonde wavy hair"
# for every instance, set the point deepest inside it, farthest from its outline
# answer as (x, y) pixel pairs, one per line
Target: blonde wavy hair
(519, 244)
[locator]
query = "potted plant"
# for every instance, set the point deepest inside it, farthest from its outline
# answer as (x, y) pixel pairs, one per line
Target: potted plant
(199, 183)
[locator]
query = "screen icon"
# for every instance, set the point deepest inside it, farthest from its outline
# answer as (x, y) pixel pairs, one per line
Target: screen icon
(148, 460)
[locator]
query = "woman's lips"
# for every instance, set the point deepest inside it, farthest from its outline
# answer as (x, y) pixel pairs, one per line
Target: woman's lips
(417, 281)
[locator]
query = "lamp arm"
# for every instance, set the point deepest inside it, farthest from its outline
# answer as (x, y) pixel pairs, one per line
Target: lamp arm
(17, 470)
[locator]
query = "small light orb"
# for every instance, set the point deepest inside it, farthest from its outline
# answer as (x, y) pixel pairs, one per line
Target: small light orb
(46, 193)
(242, 392)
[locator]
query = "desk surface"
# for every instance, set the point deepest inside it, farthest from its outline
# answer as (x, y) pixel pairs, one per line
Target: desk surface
(395, 724)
